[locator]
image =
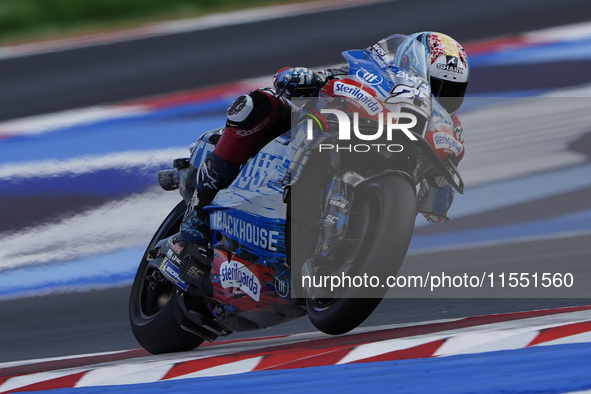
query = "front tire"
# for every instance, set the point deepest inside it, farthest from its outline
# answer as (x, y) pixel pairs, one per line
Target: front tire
(387, 209)
(153, 299)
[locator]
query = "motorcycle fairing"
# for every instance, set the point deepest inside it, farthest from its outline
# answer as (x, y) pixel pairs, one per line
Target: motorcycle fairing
(395, 85)
(256, 198)
(253, 206)
(248, 221)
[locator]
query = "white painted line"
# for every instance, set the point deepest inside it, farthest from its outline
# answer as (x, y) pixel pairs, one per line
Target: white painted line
(511, 334)
(236, 367)
(127, 373)
(90, 232)
(26, 380)
(63, 119)
(391, 345)
(10, 364)
(570, 32)
(486, 340)
(91, 163)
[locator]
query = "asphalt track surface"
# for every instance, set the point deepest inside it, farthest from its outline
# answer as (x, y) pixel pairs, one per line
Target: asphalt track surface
(108, 73)
(95, 321)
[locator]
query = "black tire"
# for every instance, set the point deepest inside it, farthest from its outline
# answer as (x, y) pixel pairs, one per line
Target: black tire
(151, 312)
(390, 205)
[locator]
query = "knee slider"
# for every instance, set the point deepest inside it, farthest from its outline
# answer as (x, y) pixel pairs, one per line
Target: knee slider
(240, 109)
(249, 110)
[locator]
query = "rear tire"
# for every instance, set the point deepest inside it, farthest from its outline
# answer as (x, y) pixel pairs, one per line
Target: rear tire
(151, 310)
(390, 205)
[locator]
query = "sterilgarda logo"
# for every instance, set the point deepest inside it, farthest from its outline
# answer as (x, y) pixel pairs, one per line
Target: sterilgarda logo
(443, 140)
(387, 122)
(235, 274)
(369, 103)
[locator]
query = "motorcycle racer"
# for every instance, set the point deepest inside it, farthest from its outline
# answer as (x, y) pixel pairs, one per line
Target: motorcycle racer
(255, 119)
(449, 74)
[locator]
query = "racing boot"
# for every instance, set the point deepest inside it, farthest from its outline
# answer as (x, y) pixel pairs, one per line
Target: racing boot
(214, 174)
(195, 226)
(194, 263)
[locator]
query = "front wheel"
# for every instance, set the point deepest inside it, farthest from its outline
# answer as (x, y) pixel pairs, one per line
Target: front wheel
(382, 227)
(153, 299)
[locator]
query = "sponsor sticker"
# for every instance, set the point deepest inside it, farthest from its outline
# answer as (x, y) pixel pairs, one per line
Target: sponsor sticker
(445, 141)
(261, 126)
(331, 219)
(369, 103)
(339, 201)
(244, 231)
(175, 246)
(282, 286)
(171, 271)
(378, 48)
(451, 65)
(235, 274)
(369, 77)
(379, 60)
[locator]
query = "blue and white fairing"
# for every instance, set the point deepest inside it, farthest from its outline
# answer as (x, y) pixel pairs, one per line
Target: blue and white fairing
(399, 80)
(392, 84)
(251, 212)
(397, 69)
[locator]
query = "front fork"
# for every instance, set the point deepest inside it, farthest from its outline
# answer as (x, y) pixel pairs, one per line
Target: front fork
(337, 209)
(339, 200)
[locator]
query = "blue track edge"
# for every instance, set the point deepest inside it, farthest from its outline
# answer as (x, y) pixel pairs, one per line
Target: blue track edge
(547, 369)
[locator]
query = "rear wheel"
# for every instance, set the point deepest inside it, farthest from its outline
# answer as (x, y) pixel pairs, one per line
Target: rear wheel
(381, 229)
(153, 299)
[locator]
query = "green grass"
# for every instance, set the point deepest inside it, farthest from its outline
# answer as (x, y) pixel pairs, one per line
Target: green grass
(25, 20)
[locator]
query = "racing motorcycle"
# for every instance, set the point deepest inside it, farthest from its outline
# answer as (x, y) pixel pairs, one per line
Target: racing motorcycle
(302, 207)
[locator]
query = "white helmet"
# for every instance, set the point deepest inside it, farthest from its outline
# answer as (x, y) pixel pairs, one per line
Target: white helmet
(449, 71)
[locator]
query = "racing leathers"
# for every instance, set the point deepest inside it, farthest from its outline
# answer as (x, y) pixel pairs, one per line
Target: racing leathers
(255, 119)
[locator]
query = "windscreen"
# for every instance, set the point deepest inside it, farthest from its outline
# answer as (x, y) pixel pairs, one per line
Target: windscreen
(412, 56)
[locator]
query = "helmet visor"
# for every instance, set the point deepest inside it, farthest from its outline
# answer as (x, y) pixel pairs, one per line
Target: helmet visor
(449, 94)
